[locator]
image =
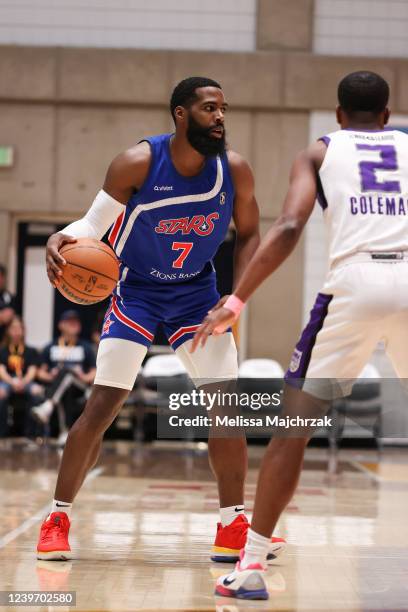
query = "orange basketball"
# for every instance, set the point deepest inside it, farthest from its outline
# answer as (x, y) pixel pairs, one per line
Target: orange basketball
(91, 272)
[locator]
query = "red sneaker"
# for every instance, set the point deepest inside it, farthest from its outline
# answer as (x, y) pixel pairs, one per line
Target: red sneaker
(53, 543)
(230, 539)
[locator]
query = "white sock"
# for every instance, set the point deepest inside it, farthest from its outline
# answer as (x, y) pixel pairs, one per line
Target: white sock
(229, 514)
(60, 506)
(256, 549)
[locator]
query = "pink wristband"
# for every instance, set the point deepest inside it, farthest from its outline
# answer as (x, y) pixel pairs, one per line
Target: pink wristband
(234, 304)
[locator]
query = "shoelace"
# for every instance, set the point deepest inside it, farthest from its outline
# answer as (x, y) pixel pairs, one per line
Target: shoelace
(50, 526)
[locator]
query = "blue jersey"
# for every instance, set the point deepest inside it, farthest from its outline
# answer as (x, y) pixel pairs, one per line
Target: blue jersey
(173, 226)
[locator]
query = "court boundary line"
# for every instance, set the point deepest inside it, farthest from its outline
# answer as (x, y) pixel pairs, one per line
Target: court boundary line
(35, 518)
(365, 470)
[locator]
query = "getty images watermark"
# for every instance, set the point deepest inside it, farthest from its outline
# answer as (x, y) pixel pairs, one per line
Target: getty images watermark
(200, 410)
(200, 398)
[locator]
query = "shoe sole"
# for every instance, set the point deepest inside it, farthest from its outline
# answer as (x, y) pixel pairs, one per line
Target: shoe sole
(242, 593)
(231, 555)
(55, 555)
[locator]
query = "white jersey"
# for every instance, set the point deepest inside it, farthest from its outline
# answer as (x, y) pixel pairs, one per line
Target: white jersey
(363, 191)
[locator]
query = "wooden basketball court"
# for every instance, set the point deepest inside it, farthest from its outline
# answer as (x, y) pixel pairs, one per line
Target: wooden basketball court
(144, 523)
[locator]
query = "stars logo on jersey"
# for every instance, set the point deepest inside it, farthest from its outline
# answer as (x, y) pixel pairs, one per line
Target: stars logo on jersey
(199, 224)
(223, 197)
(106, 325)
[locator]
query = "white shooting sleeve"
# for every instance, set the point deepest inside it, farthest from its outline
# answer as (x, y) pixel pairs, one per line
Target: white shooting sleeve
(99, 218)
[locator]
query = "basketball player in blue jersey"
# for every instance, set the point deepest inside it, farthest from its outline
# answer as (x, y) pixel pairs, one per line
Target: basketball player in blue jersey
(169, 201)
(360, 176)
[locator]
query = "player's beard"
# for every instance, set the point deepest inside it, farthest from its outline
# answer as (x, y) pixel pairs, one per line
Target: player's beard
(202, 141)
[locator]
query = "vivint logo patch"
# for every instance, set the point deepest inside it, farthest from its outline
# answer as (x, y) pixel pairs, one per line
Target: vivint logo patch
(163, 188)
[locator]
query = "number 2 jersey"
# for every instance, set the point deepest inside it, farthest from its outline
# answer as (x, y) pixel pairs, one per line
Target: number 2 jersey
(363, 190)
(173, 226)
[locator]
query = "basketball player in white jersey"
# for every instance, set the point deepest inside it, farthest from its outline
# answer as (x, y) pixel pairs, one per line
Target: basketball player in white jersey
(360, 177)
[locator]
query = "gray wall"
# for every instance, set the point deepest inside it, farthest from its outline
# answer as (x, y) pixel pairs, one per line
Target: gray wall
(68, 111)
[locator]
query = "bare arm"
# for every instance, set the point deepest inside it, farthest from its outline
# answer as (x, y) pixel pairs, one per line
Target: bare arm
(125, 174)
(128, 172)
(29, 375)
(5, 376)
(18, 384)
(280, 240)
(89, 376)
(246, 214)
(85, 377)
(45, 375)
(246, 218)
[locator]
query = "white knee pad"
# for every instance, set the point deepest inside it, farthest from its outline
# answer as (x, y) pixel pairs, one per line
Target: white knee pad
(118, 362)
(217, 360)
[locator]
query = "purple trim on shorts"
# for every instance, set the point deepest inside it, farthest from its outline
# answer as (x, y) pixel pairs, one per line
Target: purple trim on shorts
(303, 351)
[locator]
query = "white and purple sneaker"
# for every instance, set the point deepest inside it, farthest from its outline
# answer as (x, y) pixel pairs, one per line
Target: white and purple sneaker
(243, 583)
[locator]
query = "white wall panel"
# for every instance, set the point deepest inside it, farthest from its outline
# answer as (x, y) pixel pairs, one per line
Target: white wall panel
(361, 27)
(160, 24)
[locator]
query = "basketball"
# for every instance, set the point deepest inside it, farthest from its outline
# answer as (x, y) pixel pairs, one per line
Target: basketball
(91, 271)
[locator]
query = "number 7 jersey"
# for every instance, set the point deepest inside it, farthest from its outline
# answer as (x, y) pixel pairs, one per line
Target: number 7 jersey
(173, 226)
(363, 190)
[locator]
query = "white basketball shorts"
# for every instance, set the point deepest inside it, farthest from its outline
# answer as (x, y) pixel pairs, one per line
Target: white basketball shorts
(119, 360)
(364, 301)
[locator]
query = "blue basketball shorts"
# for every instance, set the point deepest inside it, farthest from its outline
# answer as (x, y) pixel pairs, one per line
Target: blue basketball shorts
(138, 306)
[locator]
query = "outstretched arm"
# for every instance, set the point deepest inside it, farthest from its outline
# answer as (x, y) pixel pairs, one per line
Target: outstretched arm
(278, 243)
(126, 173)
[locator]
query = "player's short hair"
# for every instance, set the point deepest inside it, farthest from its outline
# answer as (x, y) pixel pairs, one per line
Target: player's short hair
(363, 91)
(184, 94)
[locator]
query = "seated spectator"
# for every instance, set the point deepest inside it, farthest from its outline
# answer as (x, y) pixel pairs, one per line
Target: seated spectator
(18, 369)
(7, 303)
(67, 366)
